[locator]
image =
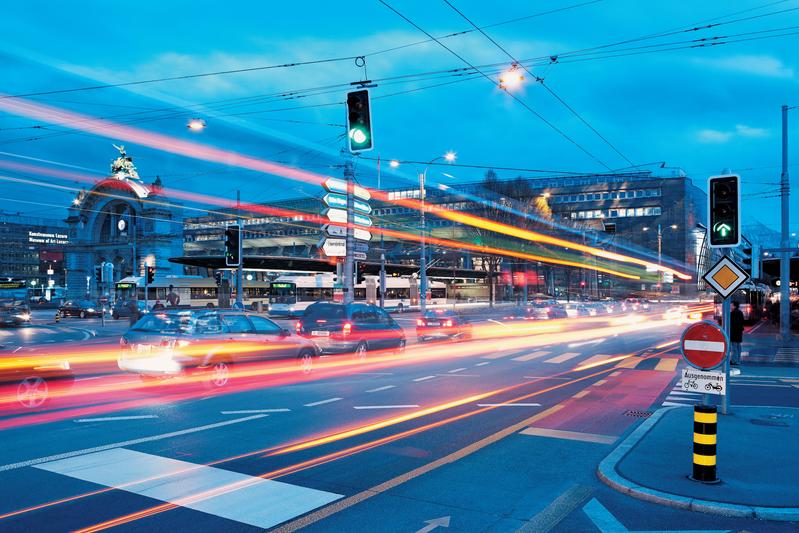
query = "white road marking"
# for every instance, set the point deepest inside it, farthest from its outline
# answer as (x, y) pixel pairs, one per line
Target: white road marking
(569, 435)
(378, 389)
(246, 499)
(682, 398)
(424, 378)
(253, 411)
(458, 375)
(562, 358)
(114, 418)
(132, 442)
(508, 405)
(374, 373)
(456, 370)
(683, 393)
(532, 355)
(322, 402)
(546, 377)
(672, 404)
(578, 344)
(484, 363)
(739, 384)
(384, 406)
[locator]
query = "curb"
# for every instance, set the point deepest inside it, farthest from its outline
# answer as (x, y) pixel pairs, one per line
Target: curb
(606, 471)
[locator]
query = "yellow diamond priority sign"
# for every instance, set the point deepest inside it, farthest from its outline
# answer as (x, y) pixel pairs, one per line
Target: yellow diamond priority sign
(725, 277)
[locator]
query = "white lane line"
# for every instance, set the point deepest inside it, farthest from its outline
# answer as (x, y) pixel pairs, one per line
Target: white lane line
(508, 405)
(113, 418)
(484, 363)
(56, 457)
(259, 502)
(384, 406)
(425, 378)
(322, 402)
(532, 355)
(378, 389)
(458, 375)
(456, 370)
(253, 411)
(562, 358)
(374, 373)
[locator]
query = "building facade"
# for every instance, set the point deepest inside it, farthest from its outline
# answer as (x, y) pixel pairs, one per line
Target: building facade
(33, 251)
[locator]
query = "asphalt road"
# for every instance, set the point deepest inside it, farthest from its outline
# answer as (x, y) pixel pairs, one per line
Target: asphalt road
(489, 435)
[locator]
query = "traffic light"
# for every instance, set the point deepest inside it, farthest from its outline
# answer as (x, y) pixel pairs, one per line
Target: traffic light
(150, 275)
(218, 277)
(360, 273)
(232, 238)
(359, 121)
(724, 211)
(747, 259)
(98, 274)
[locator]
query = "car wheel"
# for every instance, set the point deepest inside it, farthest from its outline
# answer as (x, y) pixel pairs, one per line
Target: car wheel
(218, 374)
(83, 314)
(360, 351)
(32, 392)
(305, 360)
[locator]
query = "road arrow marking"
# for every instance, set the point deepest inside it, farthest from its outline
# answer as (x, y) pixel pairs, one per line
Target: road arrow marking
(434, 523)
(607, 523)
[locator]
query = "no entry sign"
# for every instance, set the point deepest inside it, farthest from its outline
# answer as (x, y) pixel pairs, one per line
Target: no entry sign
(704, 345)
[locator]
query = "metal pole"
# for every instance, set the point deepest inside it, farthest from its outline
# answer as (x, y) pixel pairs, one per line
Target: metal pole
(725, 321)
(382, 253)
(423, 250)
(785, 257)
(240, 268)
(348, 274)
(146, 286)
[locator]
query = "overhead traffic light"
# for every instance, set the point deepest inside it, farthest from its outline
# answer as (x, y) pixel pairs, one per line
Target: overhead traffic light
(359, 121)
(724, 215)
(150, 275)
(232, 242)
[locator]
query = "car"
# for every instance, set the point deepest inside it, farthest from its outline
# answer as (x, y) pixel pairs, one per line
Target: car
(124, 308)
(357, 328)
(208, 342)
(541, 311)
(31, 377)
(79, 308)
(577, 310)
(14, 313)
(441, 324)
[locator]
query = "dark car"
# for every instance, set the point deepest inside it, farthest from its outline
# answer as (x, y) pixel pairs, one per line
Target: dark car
(350, 328)
(80, 308)
(542, 311)
(441, 324)
(174, 343)
(31, 377)
(124, 308)
(14, 313)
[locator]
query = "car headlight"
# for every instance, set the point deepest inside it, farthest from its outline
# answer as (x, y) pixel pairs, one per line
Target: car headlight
(24, 316)
(90, 310)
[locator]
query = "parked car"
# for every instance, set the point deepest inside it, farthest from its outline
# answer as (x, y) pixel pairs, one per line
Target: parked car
(124, 308)
(350, 328)
(32, 377)
(441, 324)
(211, 342)
(80, 308)
(14, 313)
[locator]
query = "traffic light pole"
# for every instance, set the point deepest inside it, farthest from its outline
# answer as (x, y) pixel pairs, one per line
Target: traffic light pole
(240, 269)
(423, 249)
(785, 257)
(348, 274)
(146, 285)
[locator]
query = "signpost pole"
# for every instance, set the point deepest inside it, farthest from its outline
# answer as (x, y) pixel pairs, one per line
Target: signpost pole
(146, 286)
(348, 274)
(239, 269)
(725, 322)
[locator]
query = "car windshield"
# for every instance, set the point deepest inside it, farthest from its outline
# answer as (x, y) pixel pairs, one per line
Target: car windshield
(323, 312)
(166, 323)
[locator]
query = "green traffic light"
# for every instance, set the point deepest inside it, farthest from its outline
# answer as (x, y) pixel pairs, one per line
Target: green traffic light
(722, 229)
(358, 136)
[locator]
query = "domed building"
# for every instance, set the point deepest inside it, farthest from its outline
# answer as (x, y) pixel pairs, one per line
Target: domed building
(124, 222)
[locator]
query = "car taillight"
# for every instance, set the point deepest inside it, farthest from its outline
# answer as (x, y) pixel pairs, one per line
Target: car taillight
(183, 343)
(420, 322)
(346, 329)
(298, 326)
(448, 323)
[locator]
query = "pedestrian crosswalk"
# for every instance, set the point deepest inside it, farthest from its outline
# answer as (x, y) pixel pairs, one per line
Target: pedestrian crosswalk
(532, 355)
(787, 354)
(678, 397)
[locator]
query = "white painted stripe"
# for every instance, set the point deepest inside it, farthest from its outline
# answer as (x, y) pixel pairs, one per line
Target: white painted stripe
(384, 406)
(425, 378)
(569, 435)
(508, 405)
(457, 375)
(682, 399)
(738, 384)
(259, 502)
(378, 389)
(707, 346)
(563, 357)
(532, 355)
(253, 411)
(456, 370)
(484, 363)
(132, 442)
(578, 344)
(114, 418)
(683, 393)
(672, 404)
(322, 402)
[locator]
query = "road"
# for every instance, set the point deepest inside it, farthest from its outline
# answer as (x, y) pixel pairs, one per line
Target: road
(498, 434)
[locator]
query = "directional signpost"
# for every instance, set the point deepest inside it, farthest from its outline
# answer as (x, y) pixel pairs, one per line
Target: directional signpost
(335, 247)
(335, 231)
(361, 234)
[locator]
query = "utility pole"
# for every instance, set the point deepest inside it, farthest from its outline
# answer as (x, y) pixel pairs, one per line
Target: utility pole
(240, 268)
(785, 256)
(660, 260)
(423, 249)
(348, 274)
(382, 252)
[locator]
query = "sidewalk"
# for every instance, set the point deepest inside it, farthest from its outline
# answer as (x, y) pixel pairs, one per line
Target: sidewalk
(757, 463)
(762, 346)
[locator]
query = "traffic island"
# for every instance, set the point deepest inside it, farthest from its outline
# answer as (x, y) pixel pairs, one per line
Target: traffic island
(757, 462)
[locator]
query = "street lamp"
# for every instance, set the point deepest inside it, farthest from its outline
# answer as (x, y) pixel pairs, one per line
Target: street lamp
(511, 79)
(196, 124)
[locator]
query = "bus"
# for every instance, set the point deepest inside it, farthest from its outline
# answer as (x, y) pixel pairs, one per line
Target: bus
(292, 294)
(192, 291)
(753, 300)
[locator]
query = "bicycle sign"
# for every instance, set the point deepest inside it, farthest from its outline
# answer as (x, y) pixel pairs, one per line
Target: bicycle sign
(705, 382)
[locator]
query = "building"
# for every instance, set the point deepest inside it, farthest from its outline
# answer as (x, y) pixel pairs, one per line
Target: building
(124, 222)
(33, 251)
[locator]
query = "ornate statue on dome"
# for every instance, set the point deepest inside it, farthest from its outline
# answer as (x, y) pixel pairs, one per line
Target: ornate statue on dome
(122, 167)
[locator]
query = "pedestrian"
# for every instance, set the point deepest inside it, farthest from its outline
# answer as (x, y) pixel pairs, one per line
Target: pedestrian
(736, 333)
(172, 297)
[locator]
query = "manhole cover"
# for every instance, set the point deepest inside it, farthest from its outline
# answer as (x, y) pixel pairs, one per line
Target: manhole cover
(639, 414)
(761, 422)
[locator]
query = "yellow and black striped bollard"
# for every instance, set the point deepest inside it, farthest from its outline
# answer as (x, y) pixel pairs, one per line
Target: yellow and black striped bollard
(705, 426)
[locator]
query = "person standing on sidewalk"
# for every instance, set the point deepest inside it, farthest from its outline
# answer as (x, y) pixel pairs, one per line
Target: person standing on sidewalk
(736, 333)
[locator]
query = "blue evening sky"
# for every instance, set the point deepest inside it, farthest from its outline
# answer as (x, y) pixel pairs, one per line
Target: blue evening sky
(702, 109)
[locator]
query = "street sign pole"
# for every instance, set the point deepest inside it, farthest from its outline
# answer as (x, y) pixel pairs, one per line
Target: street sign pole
(146, 285)
(239, 269)
(725, 322)
(348, 274)
(785, 258)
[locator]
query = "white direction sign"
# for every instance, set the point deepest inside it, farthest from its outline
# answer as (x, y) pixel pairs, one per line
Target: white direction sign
(694, 380)
(363, 207)
(361, 234)
(359, 256)
(362, 220)
(340, 186)
(336, 215)
(725, 277)
(335, 247)
(335, 200)
(335, 231)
